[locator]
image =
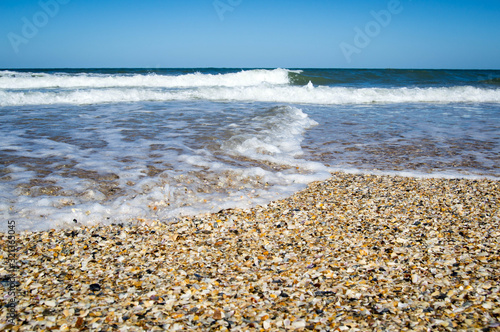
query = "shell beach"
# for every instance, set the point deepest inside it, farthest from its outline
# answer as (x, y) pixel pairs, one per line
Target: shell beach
(353, 253)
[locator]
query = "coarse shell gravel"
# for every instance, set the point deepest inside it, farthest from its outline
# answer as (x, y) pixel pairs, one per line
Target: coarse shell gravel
(353, 253)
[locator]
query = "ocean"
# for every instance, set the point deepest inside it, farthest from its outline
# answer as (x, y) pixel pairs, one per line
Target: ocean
(87, 146)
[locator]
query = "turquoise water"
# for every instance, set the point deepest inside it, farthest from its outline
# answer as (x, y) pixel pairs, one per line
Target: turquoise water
(114, 145)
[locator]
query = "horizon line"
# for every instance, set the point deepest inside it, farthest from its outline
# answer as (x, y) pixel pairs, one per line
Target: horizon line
(245, 68)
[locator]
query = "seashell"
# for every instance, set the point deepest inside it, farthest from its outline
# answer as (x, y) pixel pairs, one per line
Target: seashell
(381, 251)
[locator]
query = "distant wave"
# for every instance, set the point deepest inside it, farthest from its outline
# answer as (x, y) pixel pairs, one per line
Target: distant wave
(263, 93)
(22, 80)
(263, 85)
(395, 77)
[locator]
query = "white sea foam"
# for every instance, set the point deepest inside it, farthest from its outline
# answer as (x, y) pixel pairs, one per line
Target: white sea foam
(12, 80)
(261, 93)
(262, 162)
(448, 174)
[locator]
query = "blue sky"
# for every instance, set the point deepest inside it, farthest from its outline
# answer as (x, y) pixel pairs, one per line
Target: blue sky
(250, 33)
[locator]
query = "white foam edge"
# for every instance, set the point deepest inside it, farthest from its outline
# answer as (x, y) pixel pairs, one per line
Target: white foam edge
(415, 174)
(21, 80)
(263, 93)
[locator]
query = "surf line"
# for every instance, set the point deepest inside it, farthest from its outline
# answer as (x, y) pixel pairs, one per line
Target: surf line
(372, 29)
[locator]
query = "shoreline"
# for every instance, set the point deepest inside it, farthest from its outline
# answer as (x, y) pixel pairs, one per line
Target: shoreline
(357, 251)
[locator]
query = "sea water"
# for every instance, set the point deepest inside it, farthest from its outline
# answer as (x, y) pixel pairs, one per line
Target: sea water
(88, 146)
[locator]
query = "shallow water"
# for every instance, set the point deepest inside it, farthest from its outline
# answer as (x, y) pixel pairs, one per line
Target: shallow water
(118, 145)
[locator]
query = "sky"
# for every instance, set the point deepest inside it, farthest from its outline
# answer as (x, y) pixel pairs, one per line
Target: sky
(449, 34)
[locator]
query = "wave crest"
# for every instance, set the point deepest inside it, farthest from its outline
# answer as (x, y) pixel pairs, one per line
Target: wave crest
(27, 80)
(262, 93)
(262, 85)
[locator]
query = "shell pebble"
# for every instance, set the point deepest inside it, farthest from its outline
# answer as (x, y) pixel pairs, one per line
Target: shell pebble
(353, 253)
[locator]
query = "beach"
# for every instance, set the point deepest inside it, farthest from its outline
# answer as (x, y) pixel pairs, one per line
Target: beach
(356, 252)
